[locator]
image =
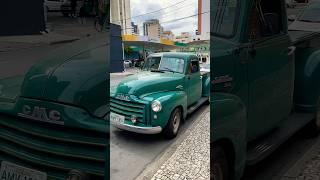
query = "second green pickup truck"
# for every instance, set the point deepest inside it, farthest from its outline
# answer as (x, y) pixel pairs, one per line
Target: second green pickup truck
(265, 81)
(169, 87)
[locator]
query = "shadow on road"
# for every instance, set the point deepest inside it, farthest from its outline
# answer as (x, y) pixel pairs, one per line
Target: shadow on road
(278, 163)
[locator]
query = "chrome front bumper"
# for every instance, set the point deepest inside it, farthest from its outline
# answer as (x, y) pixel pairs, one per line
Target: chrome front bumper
(137, 129)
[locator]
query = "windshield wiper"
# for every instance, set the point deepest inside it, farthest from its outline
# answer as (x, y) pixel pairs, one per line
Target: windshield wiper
(168, 69)
(156, 70)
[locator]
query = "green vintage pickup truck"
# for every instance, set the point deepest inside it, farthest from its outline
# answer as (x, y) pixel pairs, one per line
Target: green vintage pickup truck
(265, 82)
(53, 119)
(155, 100)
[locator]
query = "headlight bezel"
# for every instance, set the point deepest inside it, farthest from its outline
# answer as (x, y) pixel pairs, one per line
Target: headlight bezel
(156, 106)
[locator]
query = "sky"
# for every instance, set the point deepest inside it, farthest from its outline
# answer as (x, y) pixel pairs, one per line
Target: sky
(168, 16)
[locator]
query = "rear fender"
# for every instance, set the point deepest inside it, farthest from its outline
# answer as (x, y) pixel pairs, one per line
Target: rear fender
(307, 84)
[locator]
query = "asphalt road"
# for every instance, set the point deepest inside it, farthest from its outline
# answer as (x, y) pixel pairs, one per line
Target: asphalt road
(130, 153)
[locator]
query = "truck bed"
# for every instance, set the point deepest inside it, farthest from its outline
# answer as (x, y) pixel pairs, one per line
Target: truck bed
(302, 36)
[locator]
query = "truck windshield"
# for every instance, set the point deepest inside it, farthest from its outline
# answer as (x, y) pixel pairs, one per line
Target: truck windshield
(162, 64)
(223, 16)
(311, 13)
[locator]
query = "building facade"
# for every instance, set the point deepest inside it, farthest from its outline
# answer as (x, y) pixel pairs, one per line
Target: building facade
(168, 35)
(152, 29)
(204, 19)
(135, 29)
(185, 37)
(121, 15)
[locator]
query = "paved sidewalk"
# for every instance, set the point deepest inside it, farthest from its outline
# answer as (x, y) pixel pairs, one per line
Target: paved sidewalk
(308, 167)
(8, 43)
(191, 158)
(116, 78)
(61, 30)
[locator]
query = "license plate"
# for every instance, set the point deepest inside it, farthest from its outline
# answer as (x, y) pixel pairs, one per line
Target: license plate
(10, 171)
(116, 118)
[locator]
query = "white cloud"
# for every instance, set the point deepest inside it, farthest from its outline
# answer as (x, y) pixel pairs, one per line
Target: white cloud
(166, 16)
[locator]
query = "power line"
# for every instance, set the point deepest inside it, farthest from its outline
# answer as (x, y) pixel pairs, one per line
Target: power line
(159, 10)
(161, 16)
(186, 17)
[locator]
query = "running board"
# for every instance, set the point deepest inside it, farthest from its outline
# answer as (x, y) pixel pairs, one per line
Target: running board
(260, 149)
(194, 107)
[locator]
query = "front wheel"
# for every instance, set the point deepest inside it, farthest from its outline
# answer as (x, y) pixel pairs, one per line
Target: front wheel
(172, 128)
(220, 169)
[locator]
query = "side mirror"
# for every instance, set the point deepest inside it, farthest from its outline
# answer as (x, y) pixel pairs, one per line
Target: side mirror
(292, 17)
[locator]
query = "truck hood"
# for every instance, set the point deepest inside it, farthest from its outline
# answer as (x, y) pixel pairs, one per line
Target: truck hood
(145, 83)
(74, 75)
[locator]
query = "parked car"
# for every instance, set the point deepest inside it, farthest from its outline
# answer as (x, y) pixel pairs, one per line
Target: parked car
(53, 5)
(265, 83)
(157, 99)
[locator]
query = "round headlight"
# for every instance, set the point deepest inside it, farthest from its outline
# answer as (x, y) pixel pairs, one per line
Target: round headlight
(156, 106)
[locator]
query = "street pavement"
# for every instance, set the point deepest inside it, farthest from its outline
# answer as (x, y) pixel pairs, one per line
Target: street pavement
(135, 156)
(191, 159)
(308, 166)
(293, 160)
(131, 153)
(61, 30)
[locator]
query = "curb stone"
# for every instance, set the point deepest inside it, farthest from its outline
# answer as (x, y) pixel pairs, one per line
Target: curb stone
(185, 159)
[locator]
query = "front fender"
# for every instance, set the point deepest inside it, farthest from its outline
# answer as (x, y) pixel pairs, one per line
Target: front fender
(307, 86)
(169, 101)
(228, 122)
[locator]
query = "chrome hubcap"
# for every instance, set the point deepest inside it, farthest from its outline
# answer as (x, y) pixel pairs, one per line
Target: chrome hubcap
(217, 172)
(176, 122)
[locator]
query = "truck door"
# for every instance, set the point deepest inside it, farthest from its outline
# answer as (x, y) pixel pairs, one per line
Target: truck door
(194, 82)
(270, 70)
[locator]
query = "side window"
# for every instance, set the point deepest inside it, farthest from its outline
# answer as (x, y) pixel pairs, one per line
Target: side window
(194, 66)
(265, 19)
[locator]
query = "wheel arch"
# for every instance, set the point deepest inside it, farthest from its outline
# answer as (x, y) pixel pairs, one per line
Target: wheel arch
(169, 100)
(229, 149)
(307, 88)
(229, 127)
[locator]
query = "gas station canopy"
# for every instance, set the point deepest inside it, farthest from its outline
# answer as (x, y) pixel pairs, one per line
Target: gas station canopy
(152, 44)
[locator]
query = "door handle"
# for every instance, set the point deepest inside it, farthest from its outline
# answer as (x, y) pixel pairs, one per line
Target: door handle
(188, 77)
(252, 51)
(291, 50)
